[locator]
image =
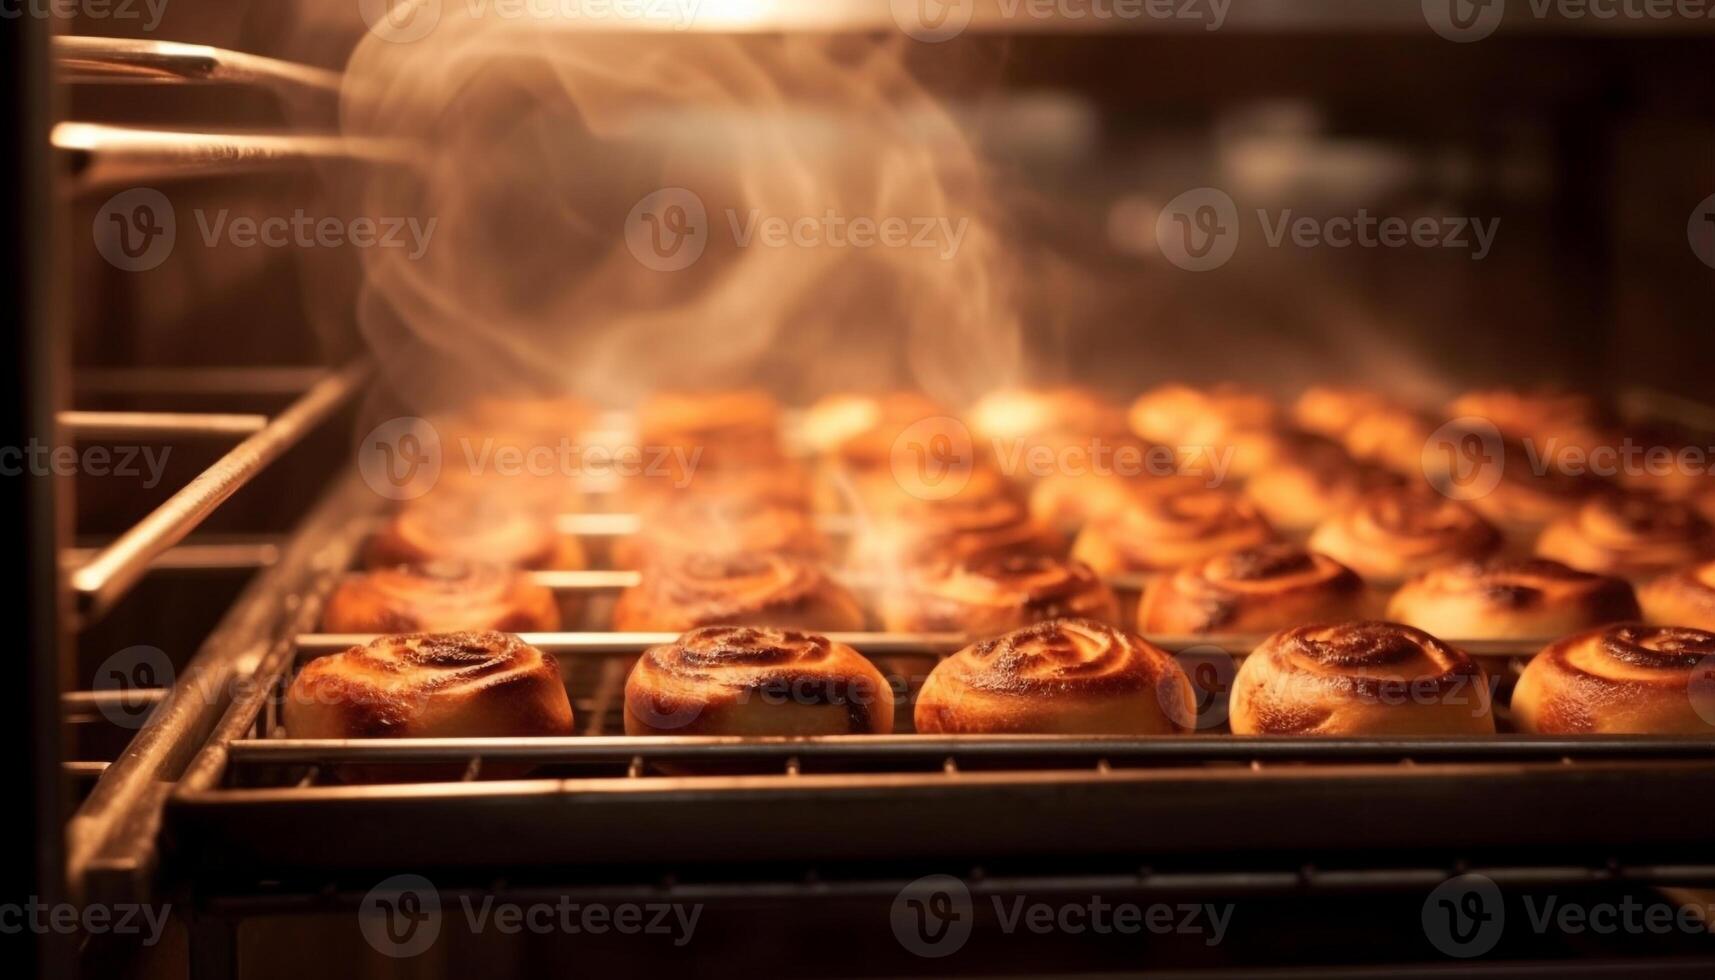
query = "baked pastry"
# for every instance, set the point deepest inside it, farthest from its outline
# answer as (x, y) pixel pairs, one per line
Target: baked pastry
(1067, 500)
(1528, 495)
(735, 589)
(1626, 679)
(1391, 437)
(991, 595)
(1511, 600)
(959, 529)
(1391, 535)
(1681, 598)
(713, 524)
(1221, 417)
(1629, 535)
(1254, 590)
(1553, 420)
(440, 597)
(756, 680)
(1158, 534)
(430, 685)
(464, 527)
(1311, 480)
(1331, 410)
(864, 425)
(880, 494)
(733, 427)
(1062, 677)
(1358, 679)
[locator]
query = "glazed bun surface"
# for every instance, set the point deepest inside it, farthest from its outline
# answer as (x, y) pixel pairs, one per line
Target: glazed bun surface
(996, 594)
(1154, 535)
(1255, 590)
(1393, 534)
(441, 597)
(736, 589)
(1681, 598)
(458, 527)
(1629, 535)
(1626, 679)
(1508, 600)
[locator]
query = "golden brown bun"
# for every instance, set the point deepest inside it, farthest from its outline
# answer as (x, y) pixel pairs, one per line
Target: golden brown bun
(992, 595)
(1256, 590)
(1525, 500)
(1390, 437)
(1393, 534)
(726, 427)
(430, 685)
(1332, 410)
(1158, 534)
(1062, 677)
(441, 597)
(1682, 598)
(1554, 420)
(1508, 600)
(1629, 535)
(960, 529)
(1355, 679)
(736, 589)
(756, 680)
(1311, 480)
(458, 527)
(1221, 417)
(1627, 679)
(720, 524)
(1069, 500)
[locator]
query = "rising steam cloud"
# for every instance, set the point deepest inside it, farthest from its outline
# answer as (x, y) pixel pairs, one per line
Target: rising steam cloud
(539, 140)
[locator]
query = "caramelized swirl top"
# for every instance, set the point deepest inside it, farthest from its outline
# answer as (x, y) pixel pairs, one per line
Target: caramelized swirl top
(1634, 652)
(1038, 586)
(1371, 659)
(1417, 523)
(1633, 533)
(1146, 530)
(671, 684)
(1272, 569)
(436, 595)
(955, 529)
(1058, 658)
(1532, 584)
(384, 686)
(470, 528)
(708, 587)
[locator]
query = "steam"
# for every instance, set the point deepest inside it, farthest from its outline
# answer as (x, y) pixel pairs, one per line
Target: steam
(539, 141)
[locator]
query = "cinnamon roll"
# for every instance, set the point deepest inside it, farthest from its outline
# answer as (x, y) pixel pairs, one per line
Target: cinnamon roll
(1310, 481)
(864, 425)
(461, 527)
(1553, 419)
(729, 427)
(1391, 535)
(956, 530)
(1629, 535)
(440, 597)
(735, 589)
(1390, 437)
(715, 524)
(1158, 534)
(1359, 679)
(991, 595)
(752, 680)
(1528, 495)
(1062, 677)
(1332, 410)
(1508, 600)
(1069, 501)
(1681, 598)
(1219, 418)
(1255, 590)
(1626, 679)
(430, 685)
